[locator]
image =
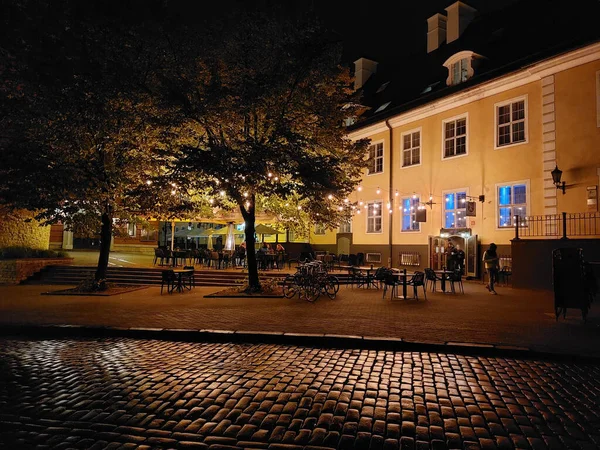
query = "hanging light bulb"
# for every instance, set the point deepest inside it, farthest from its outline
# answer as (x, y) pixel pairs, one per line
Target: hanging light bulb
(359, 188)
(245, 194)
(276, 178)
(211, 201)
(430, 197)
(396, 193)
(390, 210)
(389, 205)
(222, 193)
(361, 203)
(299, 207)
(346, 200)
(358, 211)
(340, 208)
(149, 182)
(173, 192)
(378, 191)
(269, 174)
(414, 196)
(330, 196)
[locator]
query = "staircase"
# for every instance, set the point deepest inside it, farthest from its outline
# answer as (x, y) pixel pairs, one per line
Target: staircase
(73, 275)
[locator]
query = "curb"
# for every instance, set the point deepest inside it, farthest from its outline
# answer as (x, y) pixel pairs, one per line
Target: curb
(282, 338)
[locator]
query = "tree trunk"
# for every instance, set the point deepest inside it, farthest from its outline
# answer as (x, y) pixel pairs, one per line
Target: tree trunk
(250, 219)
(105, 237)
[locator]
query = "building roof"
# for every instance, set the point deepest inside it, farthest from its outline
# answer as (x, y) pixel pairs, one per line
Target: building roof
(517, 36)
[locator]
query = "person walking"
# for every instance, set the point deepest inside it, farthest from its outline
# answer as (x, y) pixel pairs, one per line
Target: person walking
(490, 259)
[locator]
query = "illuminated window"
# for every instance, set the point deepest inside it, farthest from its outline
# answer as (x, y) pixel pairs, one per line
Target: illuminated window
(411, 148)
(455, 209)
(512, 201)
(374, 217)
(455, 137)
(319, 228)
(376, 158)
(131, 229)
(511, 122)
(409, 214)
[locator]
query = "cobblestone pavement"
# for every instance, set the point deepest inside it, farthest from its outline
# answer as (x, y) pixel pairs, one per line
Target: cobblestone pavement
(123, 393)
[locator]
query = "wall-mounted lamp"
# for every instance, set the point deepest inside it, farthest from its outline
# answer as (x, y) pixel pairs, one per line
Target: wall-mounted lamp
(556, 174)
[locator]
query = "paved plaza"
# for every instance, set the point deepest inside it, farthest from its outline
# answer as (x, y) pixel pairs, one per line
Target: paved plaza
(122, 393)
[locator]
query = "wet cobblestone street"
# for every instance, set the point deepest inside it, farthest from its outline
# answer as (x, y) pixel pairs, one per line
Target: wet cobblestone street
(124, 393)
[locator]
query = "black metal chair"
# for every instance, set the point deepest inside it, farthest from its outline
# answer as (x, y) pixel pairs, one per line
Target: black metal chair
(456, 277)
(418, 279)
(159, 254)
(505, 274)
(360, 259)
(188, 280)
(389, 280)
(352, 259)
(432, 278)
(169, 279)
(357, 277)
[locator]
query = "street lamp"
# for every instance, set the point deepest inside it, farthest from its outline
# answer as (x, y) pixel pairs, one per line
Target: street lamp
(556, 174)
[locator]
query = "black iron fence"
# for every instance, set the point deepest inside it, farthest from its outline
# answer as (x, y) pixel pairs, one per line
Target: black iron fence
(564, 225)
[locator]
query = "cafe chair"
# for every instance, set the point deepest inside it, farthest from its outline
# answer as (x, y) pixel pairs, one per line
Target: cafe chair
(390, 280)
(159, 254)
(418, 279)
(379, 275)
(456, 278)
(169, 279)
(505, 274)
(357, 277)
(352, 259)
(188, 279)
(432, 278)
(360, 259)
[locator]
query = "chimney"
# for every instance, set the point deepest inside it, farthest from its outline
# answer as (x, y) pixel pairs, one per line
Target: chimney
(460, 16)
(363, 69)
(436, 31)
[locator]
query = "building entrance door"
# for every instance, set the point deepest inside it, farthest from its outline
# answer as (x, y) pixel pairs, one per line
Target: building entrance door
(343, 246)
(441, 246)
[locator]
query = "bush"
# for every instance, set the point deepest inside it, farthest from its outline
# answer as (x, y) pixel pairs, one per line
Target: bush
(268, 286)
(26, 252)
(91, 285)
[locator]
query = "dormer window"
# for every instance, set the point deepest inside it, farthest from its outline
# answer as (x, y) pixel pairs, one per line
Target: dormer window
(461, 67)
(459, 71)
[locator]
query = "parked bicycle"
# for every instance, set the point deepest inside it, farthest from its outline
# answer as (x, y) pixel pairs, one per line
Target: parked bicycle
(311, 280)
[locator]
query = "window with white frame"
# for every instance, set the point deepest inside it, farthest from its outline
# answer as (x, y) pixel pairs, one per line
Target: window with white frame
(319, 228)
(460, 71)
(376, 158)
(455, 137)
(346, 227)
(131, 229)
(455, 209)
(512, 201)
(411, 148)
(374, 217)
(511, 122)
(409, 214)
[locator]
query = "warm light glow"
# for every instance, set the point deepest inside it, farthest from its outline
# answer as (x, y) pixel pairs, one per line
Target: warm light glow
(397, 193)
(361, 203)
(390, 211)
(173, 192)
(247, 204)
(276, 178)
(174, 185)
(148, 182)
(430, 197)
(378, 191)
(389, 205)
(415, 196)
(375, 205)
(211, 201)
(287, 204)
(222, 193)
(299, 207)
(346, 200)
(463, 200)
(447, 199)
(330, 196)
(359, 188)
(245, 194)
(270, 175)
(340, 208)
(358, 211)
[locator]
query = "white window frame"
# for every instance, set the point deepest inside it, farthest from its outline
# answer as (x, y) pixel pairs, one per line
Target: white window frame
(319, 229)
(413, 214)
(380, 208)
(527, 197)
(497, 125)
(131, 229)
(373, 144)
(349, 223)
(454, 119)
(415, 130)
(453, 191)
(598, 99)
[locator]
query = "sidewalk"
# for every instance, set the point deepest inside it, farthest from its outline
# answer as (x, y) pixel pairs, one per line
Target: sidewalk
(512, 318)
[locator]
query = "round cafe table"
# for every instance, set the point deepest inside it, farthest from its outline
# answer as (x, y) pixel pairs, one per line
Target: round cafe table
(443, 276)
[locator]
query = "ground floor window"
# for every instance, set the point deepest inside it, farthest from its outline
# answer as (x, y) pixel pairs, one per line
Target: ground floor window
(455, 209)
(409, 214)
(374, 219)
(512, 201)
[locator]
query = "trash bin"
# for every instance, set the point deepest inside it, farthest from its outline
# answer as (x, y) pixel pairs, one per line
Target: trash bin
(569, 281)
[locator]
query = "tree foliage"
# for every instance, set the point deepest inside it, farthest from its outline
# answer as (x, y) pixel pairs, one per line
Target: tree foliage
(261, 113)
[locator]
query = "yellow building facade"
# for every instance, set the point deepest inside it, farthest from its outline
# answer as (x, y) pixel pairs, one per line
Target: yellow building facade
(455, 151)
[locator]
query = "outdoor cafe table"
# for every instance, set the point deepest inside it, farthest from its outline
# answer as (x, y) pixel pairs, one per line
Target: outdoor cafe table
(443, 276)
(180, 272)
(179, 254)
(370, 278)
(403, 275)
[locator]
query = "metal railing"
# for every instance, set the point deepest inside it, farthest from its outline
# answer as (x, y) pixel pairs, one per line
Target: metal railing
(564, 225)
(409, 258)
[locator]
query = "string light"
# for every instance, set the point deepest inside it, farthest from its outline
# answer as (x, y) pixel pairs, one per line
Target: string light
(276, 178)
(149, 182)
(245, 194)
(173, 192)
(222, 193)
(414, 195)
(330, 196)
(359, 188)
(211, 201)
(346, 200)
(378, 191)
(340, 208)
(299, 207)
(397, 193)
(270, 175)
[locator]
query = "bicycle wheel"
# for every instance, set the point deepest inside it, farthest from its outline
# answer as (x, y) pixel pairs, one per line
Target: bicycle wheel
(332, 286)
(289, 287)
(311, 292)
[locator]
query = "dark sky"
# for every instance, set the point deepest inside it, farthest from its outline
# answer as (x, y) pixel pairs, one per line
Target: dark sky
(384, 29)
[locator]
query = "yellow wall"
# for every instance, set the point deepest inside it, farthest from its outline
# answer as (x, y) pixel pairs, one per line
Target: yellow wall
(577, 134)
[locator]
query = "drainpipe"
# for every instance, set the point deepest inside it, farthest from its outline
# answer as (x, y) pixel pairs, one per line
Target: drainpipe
(390, 198)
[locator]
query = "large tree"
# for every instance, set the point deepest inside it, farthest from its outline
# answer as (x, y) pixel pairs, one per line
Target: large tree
(261, 114)
(82, 135)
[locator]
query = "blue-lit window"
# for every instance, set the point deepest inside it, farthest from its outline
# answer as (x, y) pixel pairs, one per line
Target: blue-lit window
(374, 220)
(455, 210)
(409, 214)
(512, 201)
